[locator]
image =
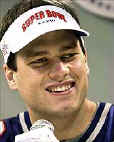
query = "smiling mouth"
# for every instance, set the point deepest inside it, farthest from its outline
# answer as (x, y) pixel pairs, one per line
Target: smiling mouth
(60, 88)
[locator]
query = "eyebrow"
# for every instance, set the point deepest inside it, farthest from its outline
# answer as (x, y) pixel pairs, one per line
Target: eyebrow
(37, 53)
(40, 53)
(71, 45)
(66, 48)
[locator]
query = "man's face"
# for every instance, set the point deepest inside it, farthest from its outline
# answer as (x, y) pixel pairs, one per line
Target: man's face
(52, 79)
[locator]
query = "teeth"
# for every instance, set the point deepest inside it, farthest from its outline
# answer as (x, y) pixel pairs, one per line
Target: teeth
(60, 88)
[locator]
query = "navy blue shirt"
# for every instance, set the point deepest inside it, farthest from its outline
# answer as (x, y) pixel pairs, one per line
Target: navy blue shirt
(101, 128)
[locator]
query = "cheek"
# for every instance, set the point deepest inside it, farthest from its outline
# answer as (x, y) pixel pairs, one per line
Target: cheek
(77, 68)
(78, 72)
(28, 82)
(30, 88)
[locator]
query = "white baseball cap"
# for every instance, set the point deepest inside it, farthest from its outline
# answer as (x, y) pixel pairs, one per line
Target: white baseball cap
(34, 23)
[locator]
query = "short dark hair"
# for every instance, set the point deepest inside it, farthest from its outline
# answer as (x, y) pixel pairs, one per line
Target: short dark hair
(19, 9)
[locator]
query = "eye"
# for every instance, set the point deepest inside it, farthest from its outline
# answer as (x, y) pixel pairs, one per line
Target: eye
(40, 61)
(68, 57)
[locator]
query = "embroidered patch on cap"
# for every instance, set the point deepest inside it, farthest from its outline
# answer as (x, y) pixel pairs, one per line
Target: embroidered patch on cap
(2, 128)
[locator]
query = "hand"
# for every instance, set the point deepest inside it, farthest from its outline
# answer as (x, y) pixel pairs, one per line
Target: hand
(43, 134)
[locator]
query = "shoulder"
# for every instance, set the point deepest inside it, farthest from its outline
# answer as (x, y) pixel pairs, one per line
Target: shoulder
(102, 126)
(106, 111)
(107, 120)
(9, 128)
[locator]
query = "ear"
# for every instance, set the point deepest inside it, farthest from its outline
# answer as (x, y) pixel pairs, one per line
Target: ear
(86, 62)
(10, 77)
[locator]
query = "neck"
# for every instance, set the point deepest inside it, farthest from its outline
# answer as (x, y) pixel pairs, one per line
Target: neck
(74, 124)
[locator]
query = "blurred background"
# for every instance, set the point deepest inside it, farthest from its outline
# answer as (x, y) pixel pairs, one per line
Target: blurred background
(100, 47)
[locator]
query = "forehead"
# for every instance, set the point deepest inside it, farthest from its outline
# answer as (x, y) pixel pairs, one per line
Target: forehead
(60, 39)
(54, 36)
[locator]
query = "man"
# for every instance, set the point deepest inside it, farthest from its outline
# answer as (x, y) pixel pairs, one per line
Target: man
(45, 60)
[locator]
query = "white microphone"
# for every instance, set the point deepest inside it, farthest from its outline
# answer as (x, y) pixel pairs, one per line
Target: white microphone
(41, 131)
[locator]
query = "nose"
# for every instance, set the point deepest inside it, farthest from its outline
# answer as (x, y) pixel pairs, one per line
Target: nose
(59, 72)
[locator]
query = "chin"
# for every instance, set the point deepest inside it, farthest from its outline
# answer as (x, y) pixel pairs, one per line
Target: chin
(65, 111)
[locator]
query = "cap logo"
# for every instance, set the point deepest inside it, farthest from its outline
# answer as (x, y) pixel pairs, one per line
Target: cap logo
(42, 15)
(4, 48)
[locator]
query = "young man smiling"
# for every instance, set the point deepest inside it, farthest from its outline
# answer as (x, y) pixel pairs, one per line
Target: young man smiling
(47, 63)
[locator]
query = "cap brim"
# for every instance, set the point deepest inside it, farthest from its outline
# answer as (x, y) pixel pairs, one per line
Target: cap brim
(81, 32)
